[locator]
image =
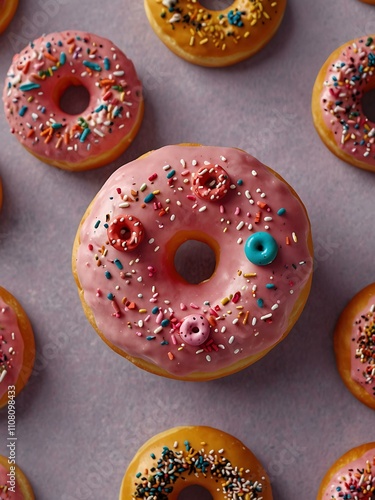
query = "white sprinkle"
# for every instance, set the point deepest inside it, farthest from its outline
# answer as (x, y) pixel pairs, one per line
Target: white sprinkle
(254, 321)
(124, 205)
(202, 209)
(2, 375)
(223, 329)
(267, 219)
(151, 241)
(222, 158)
(240, 225)
(119, 73)
(254, 173)
(158, 329)
(239, 241)
(275, 306)
(208, 357)
(266, 316)
(166, 167)
(231, 340)
(199, 351)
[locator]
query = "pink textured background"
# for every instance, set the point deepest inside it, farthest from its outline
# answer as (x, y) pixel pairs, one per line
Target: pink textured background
(86, 410)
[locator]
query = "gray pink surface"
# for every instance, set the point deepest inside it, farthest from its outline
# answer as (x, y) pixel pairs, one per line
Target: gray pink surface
(86, 410)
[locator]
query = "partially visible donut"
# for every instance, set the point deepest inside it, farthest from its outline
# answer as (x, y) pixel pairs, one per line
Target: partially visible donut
(343, 80)
(181, 457)
(124, 261)
(17, 347)
(215, 37)
(14, 485)
(41, 74)
(354, 343)
(7, 10)
(351, 476)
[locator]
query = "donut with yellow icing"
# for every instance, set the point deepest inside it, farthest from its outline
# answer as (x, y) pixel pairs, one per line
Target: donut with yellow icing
(7, 10)
(215, 37)
(56, 63)
(10, 488)
(168, 207)
(339, 89)
(17, 347)
(354, 343)
(351, 476)
(188, 456)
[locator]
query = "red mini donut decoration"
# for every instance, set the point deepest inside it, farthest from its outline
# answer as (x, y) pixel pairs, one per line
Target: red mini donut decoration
(211, 183)
(125, 232)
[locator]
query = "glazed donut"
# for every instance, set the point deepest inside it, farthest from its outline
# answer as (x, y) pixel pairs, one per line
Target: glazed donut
(182, 457)
(141, 303)
(39, 77)
(7, 10)
(215, 37)
(10, 488)
(337, 96)
(351, 476)
(17, 347)
(354, 344)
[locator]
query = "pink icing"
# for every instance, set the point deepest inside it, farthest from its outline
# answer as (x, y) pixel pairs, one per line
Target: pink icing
(5, 493)
(348, 480)
(137, 301)
(363, 348)
(11, 347)
(42, 126)
(347, 79)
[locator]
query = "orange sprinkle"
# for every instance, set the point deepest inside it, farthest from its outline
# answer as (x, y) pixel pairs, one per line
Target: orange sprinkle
(47, 131)
(50, 57)
(287, 240)
(30, 133)
(170, 355)
(212, 321)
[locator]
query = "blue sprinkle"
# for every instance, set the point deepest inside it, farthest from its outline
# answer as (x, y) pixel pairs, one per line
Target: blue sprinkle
(155, 310)
(118, 111)
(107, 64)
(149, 197)
(281, 211)
(48, 45)
(240, 182)
(165, 322)
(97, 224)
(150, 337)
(56, 125)
(171, 174)
(260, 302)
(187, 445)
(59, 43)
(152, 455)
(108, 275)
(23, 110)
(62, 58)
(43, 110)
(110, 296)
(270, 285)
(84, 134)
(91, 65)
(106, 225)
(29, 86)
(138, 475)
(97, 110)
(118, 264)
(165, 342)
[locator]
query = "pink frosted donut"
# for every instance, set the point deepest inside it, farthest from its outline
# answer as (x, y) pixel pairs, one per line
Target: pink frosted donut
(351, 477)
(56, 63)
(337, 102)
(147, 309)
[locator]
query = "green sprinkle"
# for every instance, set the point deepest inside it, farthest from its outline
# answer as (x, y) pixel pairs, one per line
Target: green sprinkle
(29, 86)
(56, 125)
(118, 264)
(281, 211)
(369, 41)
(108, 275)
(110, 296)
(171, 174)
(107, 64)
(23, 110)
(270, 285)
(97, 224)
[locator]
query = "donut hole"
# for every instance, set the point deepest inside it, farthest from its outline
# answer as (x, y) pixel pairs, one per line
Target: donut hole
(73, 98)
(125, 233)
(195, 261)
(368, 104)
(259, 247)
(195, 491)
(216, 4)
(195, 329)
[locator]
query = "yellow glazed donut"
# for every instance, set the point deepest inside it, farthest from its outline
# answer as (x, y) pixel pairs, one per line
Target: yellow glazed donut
(149, 217)
(14, 485)
(351, 476)
(17, 347)
(7, 10)
(182, 457)
(215, 37)
(39, 77)
(354, 343)
(347, 74)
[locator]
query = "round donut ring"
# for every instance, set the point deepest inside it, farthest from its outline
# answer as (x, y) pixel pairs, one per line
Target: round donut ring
(195, 329)
(211, 183)
(343, 80)
(125, 232)
(261, 248)
(181, 457)
(39, 77)
(215, 37)
(8, 9)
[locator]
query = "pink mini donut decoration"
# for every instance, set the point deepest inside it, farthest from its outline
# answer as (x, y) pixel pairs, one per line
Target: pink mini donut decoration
(125, 232)
(195, 330)
(211, 183)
